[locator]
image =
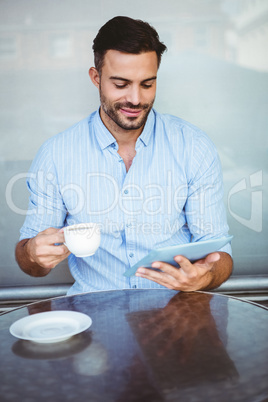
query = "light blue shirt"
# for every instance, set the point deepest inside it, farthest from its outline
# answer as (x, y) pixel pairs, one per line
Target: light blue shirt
(172, 194)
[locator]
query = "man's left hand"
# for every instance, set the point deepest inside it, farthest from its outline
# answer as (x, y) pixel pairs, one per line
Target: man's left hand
(188, 277)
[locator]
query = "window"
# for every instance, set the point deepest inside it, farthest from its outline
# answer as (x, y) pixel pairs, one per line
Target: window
(8, 47)
(60, 46)
(201, 37)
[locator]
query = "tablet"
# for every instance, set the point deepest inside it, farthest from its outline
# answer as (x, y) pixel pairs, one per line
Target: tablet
(192, 251)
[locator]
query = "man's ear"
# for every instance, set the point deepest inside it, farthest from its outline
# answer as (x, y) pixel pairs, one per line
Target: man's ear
(94, 76)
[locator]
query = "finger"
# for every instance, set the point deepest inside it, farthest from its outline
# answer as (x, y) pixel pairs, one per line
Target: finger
(184, 263)
(52, 260)
(53, 234)
(49, 231)
(55, 238)
(213, 257)
(59, 250)
(159, 277)
(165, 267)
(51, 250)
(191, 269)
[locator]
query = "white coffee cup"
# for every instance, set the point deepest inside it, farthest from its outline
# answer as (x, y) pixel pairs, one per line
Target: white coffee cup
(82, 239)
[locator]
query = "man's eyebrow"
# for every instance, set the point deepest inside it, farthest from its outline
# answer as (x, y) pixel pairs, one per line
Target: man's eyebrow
(119, 78)
(150, 79)
(126, 80)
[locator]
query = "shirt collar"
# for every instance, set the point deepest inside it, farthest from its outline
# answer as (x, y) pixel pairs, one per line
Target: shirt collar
(148, 129)
(105, 138)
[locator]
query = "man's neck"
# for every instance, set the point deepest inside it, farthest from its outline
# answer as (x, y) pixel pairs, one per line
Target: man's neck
(124, 138)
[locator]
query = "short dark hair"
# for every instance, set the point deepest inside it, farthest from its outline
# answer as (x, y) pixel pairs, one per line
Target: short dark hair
(126, 35)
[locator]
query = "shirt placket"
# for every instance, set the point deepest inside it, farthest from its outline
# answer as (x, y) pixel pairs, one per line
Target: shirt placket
(125, 180)
(129, 190)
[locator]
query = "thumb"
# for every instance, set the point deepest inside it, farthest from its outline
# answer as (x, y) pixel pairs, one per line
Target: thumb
(212, 258)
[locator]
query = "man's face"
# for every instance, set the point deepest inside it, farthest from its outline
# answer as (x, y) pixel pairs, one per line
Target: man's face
(127, 87)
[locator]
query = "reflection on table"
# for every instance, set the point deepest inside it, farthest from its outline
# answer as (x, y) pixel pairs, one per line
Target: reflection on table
(143, 345)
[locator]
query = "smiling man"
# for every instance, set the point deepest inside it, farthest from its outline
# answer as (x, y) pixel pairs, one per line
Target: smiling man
(126, 101)
(127, 87)
(148, 180)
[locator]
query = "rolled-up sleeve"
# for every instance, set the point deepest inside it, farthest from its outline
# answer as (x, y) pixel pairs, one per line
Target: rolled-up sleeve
(204, 209)
(46, 208)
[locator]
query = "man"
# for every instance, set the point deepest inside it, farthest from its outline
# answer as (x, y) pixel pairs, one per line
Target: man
(148, 180)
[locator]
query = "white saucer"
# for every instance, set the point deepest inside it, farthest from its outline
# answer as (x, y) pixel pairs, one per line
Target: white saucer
(52, 326)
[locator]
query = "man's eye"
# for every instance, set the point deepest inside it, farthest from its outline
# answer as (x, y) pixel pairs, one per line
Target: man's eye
(120, 86)
(147, 86)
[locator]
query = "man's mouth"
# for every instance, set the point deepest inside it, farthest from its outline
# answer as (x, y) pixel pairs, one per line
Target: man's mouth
(131, 112)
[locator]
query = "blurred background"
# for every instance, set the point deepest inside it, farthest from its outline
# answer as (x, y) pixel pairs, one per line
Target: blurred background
(215, 75)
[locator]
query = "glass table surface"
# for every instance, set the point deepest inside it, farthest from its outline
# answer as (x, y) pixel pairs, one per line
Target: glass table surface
(143, 345)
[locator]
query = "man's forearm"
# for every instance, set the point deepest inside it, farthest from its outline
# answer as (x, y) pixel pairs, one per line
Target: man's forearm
(220, 271)
(25, 263)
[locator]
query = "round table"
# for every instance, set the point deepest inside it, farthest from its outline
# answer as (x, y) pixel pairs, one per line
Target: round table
(143, 345)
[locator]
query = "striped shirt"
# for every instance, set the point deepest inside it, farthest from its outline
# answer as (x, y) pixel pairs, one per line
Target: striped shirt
(172, 194)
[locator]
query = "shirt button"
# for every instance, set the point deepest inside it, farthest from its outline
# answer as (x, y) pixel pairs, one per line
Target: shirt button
(131, 255)
(113, 145)
(134, 286)
(128, 225)
(126, 191)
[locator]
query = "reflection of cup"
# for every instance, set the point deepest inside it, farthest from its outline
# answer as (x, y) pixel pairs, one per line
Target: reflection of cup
(92, 361)
(52, 351)
(82, 239)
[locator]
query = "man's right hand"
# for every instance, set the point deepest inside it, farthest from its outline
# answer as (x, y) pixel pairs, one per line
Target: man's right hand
(43, 251)
(38, 255)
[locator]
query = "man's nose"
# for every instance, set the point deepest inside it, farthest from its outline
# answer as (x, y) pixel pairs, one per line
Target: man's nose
(134, 96)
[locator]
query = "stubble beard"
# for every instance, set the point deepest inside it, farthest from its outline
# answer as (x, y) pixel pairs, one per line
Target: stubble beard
(125, 122)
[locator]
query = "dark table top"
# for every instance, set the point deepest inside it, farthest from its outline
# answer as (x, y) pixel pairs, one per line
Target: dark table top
(143, 345)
